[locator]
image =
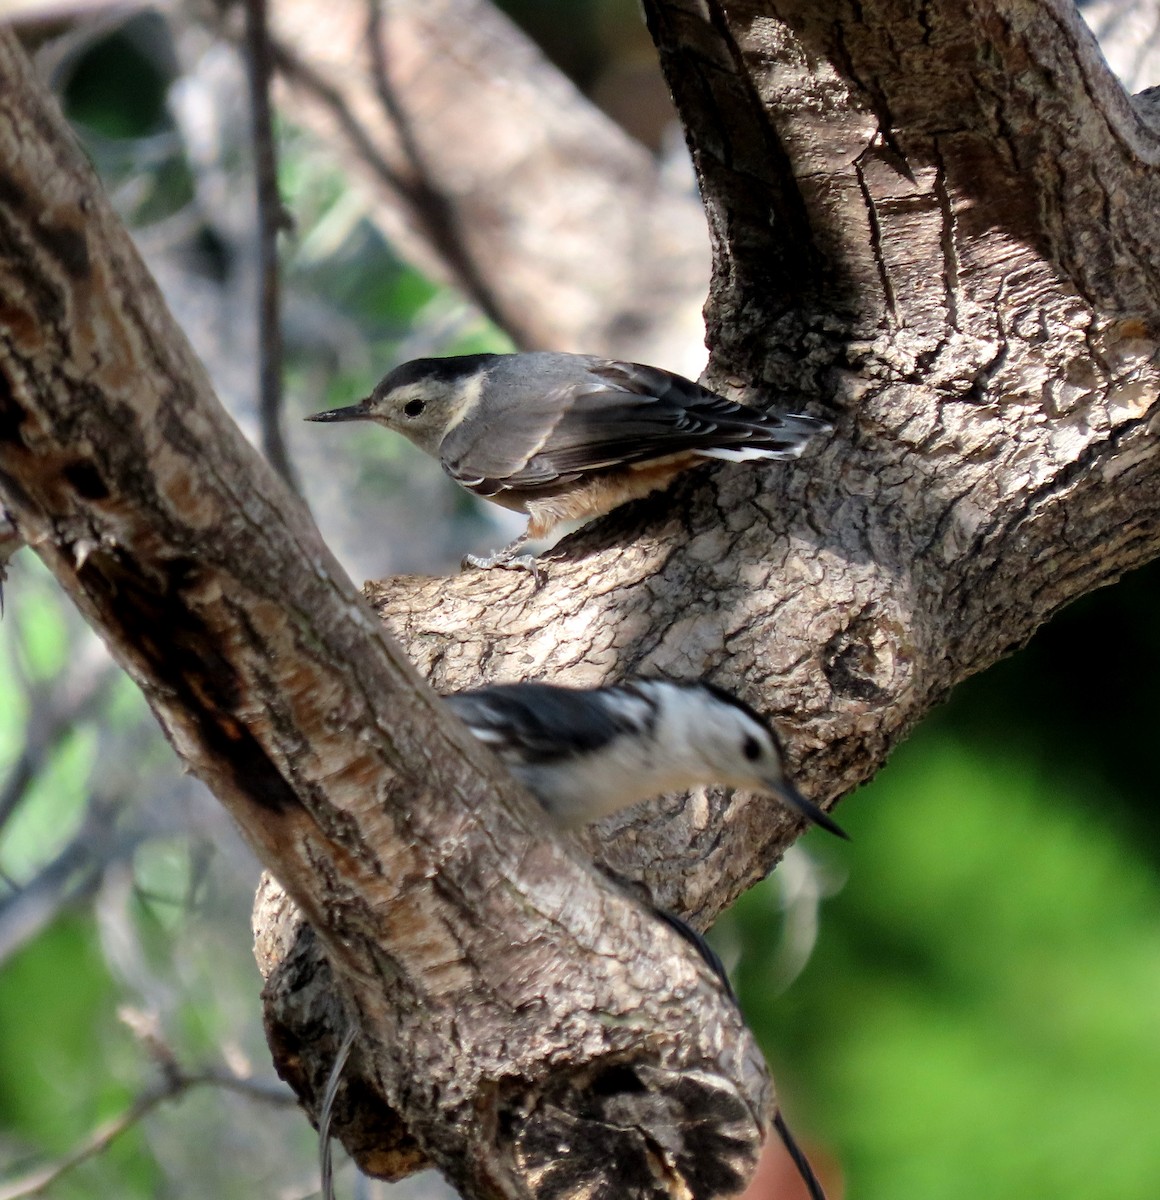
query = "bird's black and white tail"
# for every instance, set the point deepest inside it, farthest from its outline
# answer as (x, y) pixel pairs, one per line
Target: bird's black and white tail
(746, 434)
(706, 422)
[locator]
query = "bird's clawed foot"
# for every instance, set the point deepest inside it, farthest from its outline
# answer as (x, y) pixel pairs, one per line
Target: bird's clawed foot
(508, 559)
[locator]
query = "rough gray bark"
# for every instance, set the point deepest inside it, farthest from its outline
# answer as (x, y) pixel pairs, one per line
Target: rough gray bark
(507, 995)
(961, 269)
(939, 223)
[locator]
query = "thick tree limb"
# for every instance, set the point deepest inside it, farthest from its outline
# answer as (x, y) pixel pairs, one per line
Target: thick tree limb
(939, 225)
(995, 455)
(507, 995)
(988, 138)
(942, 225)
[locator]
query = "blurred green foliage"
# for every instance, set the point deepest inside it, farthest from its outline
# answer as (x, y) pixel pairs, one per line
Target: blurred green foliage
(979, 1015)
(57, 1010)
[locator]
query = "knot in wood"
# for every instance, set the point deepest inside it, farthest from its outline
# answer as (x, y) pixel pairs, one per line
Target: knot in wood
(861, 661)
(631, 1131)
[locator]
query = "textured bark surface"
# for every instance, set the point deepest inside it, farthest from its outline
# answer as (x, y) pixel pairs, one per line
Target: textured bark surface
(939, 226)
(507, 995)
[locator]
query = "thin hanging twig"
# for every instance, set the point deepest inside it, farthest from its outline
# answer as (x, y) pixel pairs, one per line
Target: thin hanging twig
(326, 1111)
(431, 207)
(272, 218)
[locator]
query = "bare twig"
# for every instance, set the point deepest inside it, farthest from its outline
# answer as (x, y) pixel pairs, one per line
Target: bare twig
(271, 219)
(55, 711)
(325, 1154)
(584, 241)
(423, 201)
(173, 1084)
(73, 874)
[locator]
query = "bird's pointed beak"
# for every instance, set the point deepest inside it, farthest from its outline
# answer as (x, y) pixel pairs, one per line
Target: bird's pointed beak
(353, 412)
(784, 790)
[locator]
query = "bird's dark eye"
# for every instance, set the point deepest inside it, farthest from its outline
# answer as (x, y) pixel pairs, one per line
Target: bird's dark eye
(413, 407)
(751, 749)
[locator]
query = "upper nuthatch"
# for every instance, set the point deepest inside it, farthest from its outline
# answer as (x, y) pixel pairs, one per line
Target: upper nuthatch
(585, 753)
(567, 436)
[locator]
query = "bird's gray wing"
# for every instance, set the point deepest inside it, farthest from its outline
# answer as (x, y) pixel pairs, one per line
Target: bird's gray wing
(492, 448)
(608, 414)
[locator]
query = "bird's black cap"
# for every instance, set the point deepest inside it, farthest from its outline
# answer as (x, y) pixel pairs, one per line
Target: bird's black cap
(456, 366)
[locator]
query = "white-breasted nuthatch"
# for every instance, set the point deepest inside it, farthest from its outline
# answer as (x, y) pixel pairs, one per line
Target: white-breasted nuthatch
(585, 753)
(567, 436)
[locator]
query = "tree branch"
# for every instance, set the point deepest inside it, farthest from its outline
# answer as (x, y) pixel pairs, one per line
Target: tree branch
(994, 385)
(173, 1085)
(1001, 117)
(429, 206)
(995, 456)
(575, 238)
(508, 995)
(985, 406)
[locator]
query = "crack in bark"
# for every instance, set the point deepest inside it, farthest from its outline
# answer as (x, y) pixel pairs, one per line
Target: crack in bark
(949, 249)
(876, 244)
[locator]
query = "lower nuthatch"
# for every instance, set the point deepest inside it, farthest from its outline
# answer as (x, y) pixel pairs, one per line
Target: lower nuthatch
(587, 753)
(567, 436)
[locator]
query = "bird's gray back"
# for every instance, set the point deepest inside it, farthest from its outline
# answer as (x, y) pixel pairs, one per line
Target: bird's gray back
(546, 419)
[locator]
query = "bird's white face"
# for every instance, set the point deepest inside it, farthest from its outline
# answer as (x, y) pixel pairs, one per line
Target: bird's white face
(717, 742)
(714, 741)
(424, 410)
(741, 752)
